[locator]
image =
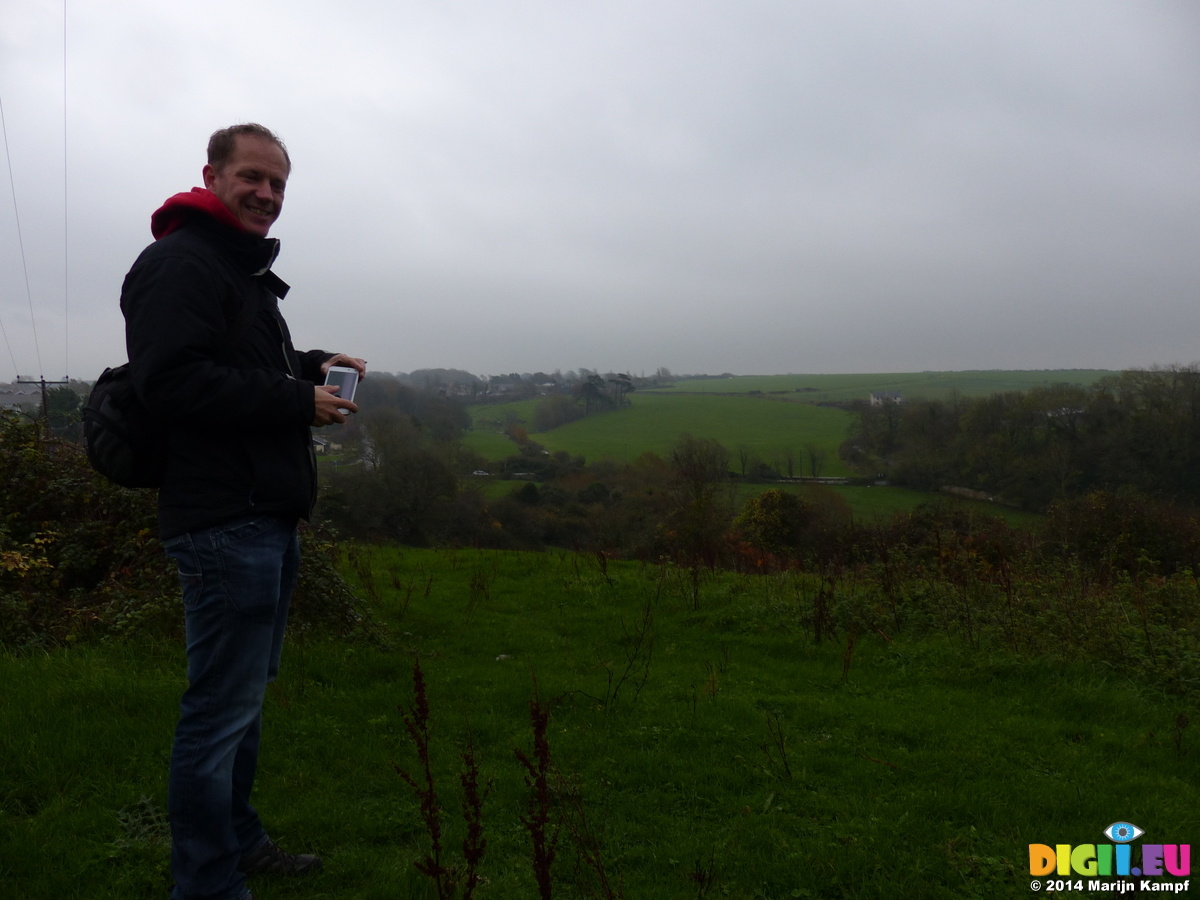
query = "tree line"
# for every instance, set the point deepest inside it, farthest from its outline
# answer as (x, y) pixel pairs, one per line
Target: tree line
(1136, 431)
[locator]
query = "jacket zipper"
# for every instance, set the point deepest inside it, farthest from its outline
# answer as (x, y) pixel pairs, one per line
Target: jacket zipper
(312, 456)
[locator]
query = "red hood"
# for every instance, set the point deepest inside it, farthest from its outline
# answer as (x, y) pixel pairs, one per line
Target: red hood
(176, 210)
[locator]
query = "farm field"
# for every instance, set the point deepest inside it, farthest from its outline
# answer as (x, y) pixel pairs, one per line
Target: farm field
(931, 385)
(488, 421)
(739, 758)
(655, 422)
(873, 502)
(881, 502)
(867, 503)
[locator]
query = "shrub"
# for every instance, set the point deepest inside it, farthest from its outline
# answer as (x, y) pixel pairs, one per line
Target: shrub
(1125, 532)
(774, 521)
(79, 555)
(76, 551)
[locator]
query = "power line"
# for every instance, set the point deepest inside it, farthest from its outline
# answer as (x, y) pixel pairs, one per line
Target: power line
(66, 257)
(4, 331)
(20, 241)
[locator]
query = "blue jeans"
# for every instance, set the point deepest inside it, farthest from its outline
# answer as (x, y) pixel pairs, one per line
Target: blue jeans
(237, 581)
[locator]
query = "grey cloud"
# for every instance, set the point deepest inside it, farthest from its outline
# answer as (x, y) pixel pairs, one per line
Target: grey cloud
(766, 186)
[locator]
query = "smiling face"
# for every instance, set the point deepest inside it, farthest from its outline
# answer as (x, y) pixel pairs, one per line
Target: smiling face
(251, 182)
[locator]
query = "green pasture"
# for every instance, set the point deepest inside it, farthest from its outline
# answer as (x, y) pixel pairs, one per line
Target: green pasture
(488, 422)
(867, 503)
(870, 503)
(931, 385)
(655, 422)
(725, 755)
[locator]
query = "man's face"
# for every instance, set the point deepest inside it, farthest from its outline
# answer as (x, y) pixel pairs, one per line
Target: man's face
(251, 182)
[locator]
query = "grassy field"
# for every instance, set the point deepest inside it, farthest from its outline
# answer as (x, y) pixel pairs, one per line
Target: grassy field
(871, 502)
(655, 422)
(933, 385)
(488, 421)
(866, 502)
(917, 768)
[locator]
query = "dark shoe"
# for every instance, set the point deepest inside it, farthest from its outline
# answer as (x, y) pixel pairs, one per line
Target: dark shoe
(270, 860)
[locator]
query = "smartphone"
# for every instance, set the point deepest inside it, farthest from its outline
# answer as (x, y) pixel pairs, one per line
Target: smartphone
(346, 379)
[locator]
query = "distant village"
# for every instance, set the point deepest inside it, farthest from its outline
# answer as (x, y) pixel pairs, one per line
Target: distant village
(21, 397)
(461, 385)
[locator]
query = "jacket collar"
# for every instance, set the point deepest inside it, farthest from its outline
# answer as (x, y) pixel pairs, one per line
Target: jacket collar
(203, 210)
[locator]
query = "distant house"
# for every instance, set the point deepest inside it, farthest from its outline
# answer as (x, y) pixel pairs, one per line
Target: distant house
(320, 445)
(881, 397)
(20, 398)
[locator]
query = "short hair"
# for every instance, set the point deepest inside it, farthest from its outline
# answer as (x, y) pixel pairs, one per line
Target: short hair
(222, 142)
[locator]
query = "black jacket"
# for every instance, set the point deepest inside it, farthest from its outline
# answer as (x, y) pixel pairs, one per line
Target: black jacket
(238, 416)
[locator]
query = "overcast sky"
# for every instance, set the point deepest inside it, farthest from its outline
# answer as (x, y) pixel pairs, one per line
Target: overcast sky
(753, 187)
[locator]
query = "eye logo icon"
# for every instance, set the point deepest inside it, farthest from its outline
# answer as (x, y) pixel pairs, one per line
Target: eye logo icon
(1122, 832)
(1121, 858)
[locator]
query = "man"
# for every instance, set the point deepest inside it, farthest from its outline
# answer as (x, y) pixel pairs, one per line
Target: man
(211, 357)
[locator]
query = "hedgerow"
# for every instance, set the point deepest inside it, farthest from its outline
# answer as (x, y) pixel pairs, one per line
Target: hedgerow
(80, 557)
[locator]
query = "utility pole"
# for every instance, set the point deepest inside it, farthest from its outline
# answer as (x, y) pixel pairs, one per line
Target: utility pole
(45, 408)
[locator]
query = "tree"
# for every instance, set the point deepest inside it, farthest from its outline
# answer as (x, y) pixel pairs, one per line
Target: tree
(700, 469)
(702, 503)
(400, 493)
(789, 461)
(744, 454)
(816, 459)
(592, 392)
(622, 386)
(555, 410)
(775, 521)
(62, 410)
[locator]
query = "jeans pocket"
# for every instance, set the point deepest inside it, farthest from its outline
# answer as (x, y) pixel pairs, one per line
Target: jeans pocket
(191, 573)
(250, 555)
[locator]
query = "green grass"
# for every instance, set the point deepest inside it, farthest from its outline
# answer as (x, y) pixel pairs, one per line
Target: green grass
(924, 774)
(655, 422)
(868, 503)
(488, 421)
(933, 385)
(873, 502)
(493, 487)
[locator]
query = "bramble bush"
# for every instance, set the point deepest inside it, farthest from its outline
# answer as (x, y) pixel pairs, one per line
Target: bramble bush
(79, 555)
(1109, 579)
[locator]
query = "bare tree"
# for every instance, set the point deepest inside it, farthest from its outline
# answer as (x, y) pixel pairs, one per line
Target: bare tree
(789, 461)
(745, 453)
(702, 503)
(816, 459)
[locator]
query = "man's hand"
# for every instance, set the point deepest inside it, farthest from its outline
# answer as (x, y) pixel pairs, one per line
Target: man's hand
(350, 362)
(328, 406)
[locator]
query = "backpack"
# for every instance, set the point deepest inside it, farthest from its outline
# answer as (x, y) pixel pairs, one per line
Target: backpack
(125, 443)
